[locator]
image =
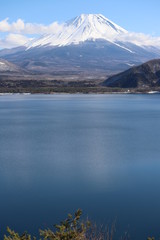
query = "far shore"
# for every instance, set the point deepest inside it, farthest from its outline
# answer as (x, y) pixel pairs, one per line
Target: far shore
(85, 92)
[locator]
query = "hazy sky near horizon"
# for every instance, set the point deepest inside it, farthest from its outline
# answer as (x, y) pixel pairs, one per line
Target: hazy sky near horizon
(140, 16)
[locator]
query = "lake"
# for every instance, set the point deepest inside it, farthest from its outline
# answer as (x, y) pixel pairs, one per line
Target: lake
(100, 153)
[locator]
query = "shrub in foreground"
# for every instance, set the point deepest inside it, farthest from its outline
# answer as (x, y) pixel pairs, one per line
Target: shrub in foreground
(70, 229)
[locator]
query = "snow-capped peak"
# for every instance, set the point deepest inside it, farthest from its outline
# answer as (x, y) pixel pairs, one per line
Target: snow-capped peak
(82, 28)
(96, 22)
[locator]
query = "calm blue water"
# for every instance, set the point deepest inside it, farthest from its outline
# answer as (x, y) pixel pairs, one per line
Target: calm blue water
(100, 153)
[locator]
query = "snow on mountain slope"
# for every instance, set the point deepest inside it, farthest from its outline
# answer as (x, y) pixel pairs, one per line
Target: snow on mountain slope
(80, 29)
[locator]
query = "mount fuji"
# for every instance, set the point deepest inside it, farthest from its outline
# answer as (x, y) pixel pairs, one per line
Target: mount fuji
(80, 29)
(89, 44)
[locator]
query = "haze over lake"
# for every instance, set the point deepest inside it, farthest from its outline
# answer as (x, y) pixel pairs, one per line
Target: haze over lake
(99, 153)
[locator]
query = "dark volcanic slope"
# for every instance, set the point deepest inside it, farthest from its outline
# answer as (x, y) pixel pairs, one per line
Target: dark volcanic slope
(88, 57)
(143, 76)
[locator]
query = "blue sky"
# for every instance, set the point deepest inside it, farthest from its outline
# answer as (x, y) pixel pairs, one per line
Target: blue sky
(137, 15)
(141, 16)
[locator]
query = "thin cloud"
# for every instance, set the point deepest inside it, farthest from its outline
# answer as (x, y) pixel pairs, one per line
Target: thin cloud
(13, 40)
(21, 27)
(140, 39)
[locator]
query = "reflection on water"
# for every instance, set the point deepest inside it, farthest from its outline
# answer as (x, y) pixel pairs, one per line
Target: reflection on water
(95, 152)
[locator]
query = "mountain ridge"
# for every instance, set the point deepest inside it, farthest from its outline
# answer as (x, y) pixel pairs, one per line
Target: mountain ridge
(8, 67)
(146, 75)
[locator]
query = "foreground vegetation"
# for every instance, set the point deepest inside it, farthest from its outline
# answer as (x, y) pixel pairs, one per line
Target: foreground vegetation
(72, 228)
(57, 86)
